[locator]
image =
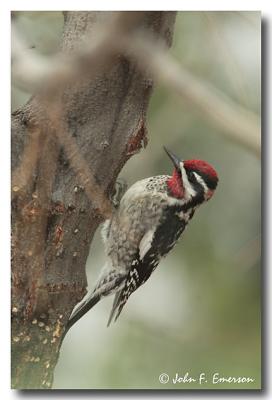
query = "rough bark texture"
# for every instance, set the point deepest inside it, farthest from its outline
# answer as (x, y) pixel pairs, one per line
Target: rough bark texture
(53, 220)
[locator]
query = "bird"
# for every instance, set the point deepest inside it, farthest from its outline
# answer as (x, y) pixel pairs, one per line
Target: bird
(146, 224)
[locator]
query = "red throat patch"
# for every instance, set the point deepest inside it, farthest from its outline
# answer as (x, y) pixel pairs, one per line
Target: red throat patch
(175, 185)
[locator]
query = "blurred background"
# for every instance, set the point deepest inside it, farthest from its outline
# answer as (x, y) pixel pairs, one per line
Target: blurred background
(201, 310)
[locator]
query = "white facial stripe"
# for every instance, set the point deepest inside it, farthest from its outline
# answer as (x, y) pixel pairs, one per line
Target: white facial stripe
(189, 190)
(207, 191)
(201, 181)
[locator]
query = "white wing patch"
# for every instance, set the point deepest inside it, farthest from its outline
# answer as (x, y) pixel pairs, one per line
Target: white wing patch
(145, 243)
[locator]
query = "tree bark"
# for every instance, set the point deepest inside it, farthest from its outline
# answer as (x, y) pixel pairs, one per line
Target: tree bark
(53, 219)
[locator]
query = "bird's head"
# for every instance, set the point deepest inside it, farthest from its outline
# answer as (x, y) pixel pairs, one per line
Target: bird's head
(192, 179)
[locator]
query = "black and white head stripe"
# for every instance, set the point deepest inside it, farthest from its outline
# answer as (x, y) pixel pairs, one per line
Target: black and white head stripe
(204, 171)
(201, 181)
(210, 182)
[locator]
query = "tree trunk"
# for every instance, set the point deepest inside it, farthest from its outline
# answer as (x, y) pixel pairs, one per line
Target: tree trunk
(53, 219)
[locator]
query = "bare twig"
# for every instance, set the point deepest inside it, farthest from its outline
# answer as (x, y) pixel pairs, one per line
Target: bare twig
(118, 36)
(32, 71)
(24, 174)
(234, 121)
(100, 202)
(32, 219)
(57, 127)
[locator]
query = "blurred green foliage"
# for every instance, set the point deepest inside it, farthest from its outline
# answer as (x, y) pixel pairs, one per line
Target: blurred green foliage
(201, 310)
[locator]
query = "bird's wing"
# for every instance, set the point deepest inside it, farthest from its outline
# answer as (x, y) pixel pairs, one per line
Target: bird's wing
(137, 275)
(153, 246)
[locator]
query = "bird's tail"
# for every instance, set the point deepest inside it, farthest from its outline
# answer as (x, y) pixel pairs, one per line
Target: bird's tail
(120, 300)
(81, 310)
(106, 286)
(114, 307)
